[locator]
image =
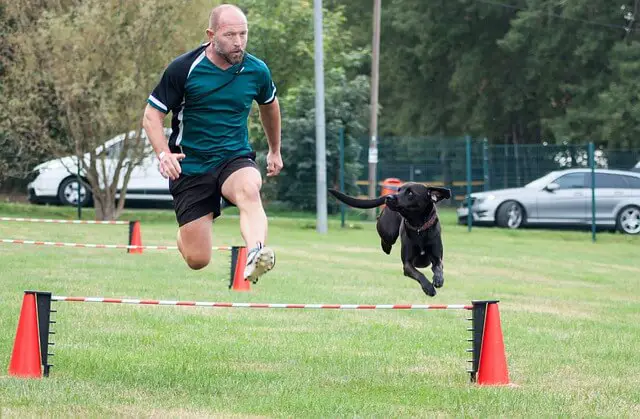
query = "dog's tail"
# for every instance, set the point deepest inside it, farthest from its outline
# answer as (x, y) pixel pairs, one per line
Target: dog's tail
(357, 202)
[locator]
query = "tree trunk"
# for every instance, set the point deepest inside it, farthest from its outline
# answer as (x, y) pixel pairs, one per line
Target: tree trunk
(105, 206)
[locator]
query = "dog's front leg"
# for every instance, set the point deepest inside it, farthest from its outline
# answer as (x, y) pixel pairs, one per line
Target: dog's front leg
(436, 254)
(412, 272)
(438, 273)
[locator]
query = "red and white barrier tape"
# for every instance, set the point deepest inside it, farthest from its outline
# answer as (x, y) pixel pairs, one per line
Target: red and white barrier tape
(99, 246)
(51, 221)
(266, 305)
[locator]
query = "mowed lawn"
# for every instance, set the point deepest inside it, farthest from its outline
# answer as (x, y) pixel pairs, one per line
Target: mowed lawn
(570, 314)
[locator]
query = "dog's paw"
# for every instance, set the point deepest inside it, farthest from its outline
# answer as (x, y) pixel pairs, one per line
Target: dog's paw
(429, 290)
(386, 247)
(438, 281)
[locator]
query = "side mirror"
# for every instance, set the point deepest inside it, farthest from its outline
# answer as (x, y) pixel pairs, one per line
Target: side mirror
(552, 187)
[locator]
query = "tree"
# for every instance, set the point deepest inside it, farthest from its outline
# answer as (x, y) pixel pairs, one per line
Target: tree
(95, 63)
(346, 108)
(281, 34)
(618, 106)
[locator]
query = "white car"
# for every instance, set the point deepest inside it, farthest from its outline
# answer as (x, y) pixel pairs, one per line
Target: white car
(56, 181)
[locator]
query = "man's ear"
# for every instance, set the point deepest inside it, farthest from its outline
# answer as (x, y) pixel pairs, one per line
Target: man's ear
(438, 194)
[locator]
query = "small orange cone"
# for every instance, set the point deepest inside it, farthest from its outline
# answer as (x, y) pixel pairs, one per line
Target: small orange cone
(238, 262)
(135, 237)
(25, 359)
(492, 368)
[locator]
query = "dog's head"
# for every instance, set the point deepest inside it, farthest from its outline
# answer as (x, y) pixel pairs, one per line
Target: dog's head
(415, 198)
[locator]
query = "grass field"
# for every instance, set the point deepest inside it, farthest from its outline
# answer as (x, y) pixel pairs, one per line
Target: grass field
(570, 317)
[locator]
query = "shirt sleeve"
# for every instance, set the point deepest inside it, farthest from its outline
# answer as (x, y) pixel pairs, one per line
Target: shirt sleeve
(267, 93)
(169, 92)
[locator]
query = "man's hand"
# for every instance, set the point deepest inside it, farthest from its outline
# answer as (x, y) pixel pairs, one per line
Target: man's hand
(274, 163)
(169, 165)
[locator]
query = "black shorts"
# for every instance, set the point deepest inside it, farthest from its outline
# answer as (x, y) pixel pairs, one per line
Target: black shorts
(195, 196)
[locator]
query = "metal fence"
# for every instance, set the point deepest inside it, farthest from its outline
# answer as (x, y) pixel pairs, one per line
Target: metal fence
(443, 162)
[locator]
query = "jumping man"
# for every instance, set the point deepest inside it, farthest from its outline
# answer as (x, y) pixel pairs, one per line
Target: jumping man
(208, 157)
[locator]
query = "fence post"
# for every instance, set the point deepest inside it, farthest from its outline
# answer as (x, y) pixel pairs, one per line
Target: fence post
(469, 214)
(516, 157)
(79, 204)
(485, 162)
(342, 205)
(592, 164)
(506, 167)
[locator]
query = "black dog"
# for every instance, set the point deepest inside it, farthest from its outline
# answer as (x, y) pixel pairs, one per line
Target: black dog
(411, 214)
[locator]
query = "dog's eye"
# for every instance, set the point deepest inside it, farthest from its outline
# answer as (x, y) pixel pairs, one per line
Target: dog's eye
(409, 193)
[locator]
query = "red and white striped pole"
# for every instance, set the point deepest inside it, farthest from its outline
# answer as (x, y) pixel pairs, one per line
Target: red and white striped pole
(97, 246)
(265, 305)
(52, 221)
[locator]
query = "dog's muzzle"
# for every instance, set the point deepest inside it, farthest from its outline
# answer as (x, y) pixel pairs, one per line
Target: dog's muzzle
(392, 202)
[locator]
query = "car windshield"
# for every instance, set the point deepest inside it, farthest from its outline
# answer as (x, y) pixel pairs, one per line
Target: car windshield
(541, 182)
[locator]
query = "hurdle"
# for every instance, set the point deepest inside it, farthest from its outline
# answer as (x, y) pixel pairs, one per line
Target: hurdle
(135, 234)
(32, 345)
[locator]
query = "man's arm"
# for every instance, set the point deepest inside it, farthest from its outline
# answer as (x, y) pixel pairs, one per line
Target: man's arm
(270, 118)
(153, 124)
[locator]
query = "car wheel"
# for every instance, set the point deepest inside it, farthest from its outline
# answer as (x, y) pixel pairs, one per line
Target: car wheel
(510, 214)
(68, 192)
(629, 220)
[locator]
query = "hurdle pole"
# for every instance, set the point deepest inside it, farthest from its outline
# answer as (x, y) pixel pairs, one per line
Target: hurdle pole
(136, 301)
(96, 246)
(54, 221)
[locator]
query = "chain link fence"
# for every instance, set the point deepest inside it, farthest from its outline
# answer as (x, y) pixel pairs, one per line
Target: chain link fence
(443, 162)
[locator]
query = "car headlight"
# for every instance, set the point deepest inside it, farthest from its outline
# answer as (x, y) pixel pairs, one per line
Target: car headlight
(32, 175)
(481, 200)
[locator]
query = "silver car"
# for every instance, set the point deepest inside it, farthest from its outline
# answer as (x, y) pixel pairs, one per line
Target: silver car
(562, 198)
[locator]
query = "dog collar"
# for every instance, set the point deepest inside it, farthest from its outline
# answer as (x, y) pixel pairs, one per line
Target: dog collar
(428, 224)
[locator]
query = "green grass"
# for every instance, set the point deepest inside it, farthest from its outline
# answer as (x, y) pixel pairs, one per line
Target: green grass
(569, 312)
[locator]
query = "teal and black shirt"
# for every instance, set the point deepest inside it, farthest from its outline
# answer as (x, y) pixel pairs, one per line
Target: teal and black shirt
(210, 106)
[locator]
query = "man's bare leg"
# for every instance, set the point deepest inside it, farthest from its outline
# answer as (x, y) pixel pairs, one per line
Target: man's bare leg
(242, 188)
(194, 241)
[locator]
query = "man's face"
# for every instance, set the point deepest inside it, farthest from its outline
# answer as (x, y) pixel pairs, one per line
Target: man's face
(230, 41)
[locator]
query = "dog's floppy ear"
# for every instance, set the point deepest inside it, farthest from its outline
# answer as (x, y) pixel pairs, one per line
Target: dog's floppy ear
(388, 227)
(438, 194)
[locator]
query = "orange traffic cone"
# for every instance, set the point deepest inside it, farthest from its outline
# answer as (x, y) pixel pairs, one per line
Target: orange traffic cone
(25, 359)
(238, 262)
(135, 237)
(492, 367)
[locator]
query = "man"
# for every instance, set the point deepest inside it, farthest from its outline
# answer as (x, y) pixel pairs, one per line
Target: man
(210, 91)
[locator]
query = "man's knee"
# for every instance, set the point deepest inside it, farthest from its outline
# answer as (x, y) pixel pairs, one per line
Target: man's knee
(249, 192)
(197, 261)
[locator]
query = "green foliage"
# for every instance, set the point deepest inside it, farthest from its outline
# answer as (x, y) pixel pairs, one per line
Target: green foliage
(281, 34)
(91, 64)
(345, 107)
(519, 72)
(618, 106)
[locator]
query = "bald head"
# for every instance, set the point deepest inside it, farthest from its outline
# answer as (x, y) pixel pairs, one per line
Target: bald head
(227, 33)
(226, 14)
